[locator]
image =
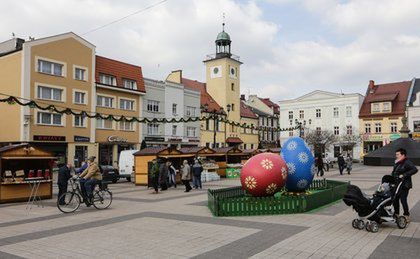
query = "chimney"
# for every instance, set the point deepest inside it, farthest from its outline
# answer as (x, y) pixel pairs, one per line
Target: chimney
(371, 86)
(242, 97)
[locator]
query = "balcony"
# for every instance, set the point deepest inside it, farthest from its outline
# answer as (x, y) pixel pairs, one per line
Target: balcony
(215, 56)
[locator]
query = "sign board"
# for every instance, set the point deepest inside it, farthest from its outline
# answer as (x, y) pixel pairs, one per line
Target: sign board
(49, 138)
(114, 139)
(157, 139)
(81, 139)
(372, 137)
(393, 137)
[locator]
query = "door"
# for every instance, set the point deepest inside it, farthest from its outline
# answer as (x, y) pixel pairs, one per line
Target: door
(80, 155)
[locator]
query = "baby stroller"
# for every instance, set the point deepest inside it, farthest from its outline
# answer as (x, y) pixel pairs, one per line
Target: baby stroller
(372, 211)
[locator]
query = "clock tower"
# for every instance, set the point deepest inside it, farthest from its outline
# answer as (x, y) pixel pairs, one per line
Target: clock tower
(223, 80)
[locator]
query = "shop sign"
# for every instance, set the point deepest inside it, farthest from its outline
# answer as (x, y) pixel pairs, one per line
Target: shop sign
(193, 140)
(157, 139)
(81, 139)
(175, 139)
(114, 139)
(372, 137)
(416, 125)
(49, 138)
(393, 137)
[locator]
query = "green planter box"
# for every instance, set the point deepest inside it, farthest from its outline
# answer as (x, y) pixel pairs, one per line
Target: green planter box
(234, 201)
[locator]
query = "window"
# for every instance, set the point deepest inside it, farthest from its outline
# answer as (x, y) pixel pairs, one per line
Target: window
(318, 129)
(378, 128)
(207, 144)
(301, 114)
(152, 106)
(318, 113)
(79, 74)
(348, 111)
(103, 124)
(375, 107)
(309, 121)
(79, 121)
(233, 107)
(290, 133)
(252, 146)
(386, 107)
(394, 127)
(50, 68)
(207, 124)
(126, 126)
(190, 112)
(130, 84)
(126, 105)
(349, 130)
(79, 97)
(290, 115)
(46, 118)
(174, 130)
(152, 129)
(232, 86)
(107, 79)
(335, 112)
(191, 132)
(104, 101)
(174, 109)
(48, 93)
(244, 130)
(291, 122)
(336, 130)
(367, 128)
(217, 125)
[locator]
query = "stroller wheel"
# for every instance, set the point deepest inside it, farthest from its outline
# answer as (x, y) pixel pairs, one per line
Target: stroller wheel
(374, 227)
(355, 223)
(368, 227)
(360, 224)
(401, 222)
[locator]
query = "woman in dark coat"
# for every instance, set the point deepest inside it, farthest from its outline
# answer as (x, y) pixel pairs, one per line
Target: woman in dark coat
(63, 177)
(320, 165)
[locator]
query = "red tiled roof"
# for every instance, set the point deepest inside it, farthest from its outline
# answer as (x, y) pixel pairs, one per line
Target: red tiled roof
(271, 104)
(385, 92)
(205, 96)
(120, 70)
(247, 112)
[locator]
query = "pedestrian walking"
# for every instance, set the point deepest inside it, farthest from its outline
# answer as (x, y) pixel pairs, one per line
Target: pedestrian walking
(154, 175)
(349, 163)
(64, 174)
(320, 165)
(326, 161)
(172, 175)
(163, 176)
(197, 170)
(186, 175)
(341, 163)
(402, 171)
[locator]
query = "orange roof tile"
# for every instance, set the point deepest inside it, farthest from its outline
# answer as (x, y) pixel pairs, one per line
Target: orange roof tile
(205, 98)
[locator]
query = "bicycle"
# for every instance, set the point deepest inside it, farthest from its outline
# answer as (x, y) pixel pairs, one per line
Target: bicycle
(102, 197)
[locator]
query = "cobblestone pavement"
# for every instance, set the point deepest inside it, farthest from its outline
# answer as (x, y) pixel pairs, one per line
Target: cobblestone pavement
(175, 224)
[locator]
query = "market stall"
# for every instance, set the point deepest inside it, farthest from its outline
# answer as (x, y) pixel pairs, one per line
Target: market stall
(210, 167)
(21, 166)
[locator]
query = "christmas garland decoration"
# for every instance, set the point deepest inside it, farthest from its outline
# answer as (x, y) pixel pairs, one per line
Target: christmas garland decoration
(11, 100)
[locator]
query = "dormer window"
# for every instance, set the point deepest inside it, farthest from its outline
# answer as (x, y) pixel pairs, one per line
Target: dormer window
(386, 107)
(375, 107)
(107, 79)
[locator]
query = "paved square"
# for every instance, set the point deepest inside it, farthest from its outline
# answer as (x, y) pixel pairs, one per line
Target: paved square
(175, 224)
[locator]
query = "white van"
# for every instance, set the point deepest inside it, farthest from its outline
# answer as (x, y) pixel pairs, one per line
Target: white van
(126, 163)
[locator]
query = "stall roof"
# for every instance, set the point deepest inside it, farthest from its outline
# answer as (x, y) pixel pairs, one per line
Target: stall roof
(150, 151)
(274, 150)
(197, 150)
(228, 150)
(10, 147)
(249, 151)
(24, 151)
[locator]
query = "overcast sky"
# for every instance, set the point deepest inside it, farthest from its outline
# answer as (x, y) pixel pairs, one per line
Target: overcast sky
(289, 47)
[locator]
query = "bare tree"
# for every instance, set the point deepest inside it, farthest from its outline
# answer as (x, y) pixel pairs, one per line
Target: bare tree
(320, 139)
(348, 141)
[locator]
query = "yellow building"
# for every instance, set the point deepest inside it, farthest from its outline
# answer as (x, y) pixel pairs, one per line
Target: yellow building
(381, 113)
(221, 95)
(60, 71)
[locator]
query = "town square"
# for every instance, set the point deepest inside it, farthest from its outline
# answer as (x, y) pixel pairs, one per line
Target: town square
(209, 129)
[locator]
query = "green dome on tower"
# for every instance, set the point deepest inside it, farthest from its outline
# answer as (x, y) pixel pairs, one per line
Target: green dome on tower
(223, 36)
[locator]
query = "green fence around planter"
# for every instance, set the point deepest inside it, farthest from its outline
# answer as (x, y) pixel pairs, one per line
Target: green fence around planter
(234, 201)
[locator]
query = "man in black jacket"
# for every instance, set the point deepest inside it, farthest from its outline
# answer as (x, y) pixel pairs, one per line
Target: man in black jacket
(402, 171)
(63, 177)
(341, 163)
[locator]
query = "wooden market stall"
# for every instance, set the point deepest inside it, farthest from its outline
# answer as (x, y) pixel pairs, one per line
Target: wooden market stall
(20, 164)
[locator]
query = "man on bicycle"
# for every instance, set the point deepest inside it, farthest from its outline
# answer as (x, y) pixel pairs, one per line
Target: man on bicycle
(89, 178)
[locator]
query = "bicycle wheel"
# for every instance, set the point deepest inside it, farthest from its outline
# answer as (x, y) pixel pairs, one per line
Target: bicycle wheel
(102, 199)
(71, 202)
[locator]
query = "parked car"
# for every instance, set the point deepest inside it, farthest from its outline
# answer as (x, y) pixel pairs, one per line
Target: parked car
(126, 163)
(109, 173)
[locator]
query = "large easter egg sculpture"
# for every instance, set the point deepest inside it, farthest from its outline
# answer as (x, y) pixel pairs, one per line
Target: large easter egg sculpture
(264, 174)
(300, 164)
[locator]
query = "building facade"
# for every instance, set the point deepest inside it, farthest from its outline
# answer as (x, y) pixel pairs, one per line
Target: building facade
(119, 91)
(50, 71)
(321, 110)
(248, 136)
(381, 113)
(269, 119)
(413, 110)
(171, 100)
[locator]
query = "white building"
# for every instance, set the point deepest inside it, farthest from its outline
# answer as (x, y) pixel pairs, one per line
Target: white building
(321, 110)
(413, 110)
(171, 100)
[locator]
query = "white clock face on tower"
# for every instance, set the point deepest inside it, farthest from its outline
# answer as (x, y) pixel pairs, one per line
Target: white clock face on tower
(216, 71)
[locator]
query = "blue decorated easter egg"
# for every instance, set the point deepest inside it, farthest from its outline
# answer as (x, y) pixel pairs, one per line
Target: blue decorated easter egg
(300, 164)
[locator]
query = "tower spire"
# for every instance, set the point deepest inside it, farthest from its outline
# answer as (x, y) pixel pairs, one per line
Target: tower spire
(223, 23)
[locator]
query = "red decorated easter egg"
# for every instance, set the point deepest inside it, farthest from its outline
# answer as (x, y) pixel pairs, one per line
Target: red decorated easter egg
(264, 174)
